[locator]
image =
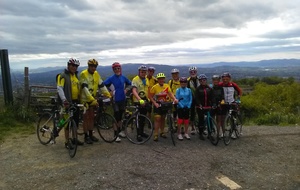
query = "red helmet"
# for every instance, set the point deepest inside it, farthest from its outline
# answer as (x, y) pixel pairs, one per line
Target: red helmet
(116, 64)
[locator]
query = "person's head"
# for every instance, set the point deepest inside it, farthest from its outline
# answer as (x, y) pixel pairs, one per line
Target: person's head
(226, 77)
(73, 64)
(151, 71)
(183, 81)
(193, 71)
(215, 79)
(175, 74)
(161, 78)
(142, 71)
(202, 79)
(92, 65)
(116, 67)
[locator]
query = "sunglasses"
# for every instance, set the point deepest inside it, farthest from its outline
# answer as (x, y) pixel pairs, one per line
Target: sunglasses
(183, 82)
(73, 65)
(202, 80)
(117, 68)
(193, 72)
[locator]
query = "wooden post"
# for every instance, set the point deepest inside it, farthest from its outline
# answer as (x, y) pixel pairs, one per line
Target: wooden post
(26, 87)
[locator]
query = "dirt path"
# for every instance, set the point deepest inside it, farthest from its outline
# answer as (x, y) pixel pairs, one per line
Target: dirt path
(264, 158)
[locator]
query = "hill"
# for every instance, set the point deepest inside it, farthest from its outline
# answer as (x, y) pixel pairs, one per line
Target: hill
(264, 68)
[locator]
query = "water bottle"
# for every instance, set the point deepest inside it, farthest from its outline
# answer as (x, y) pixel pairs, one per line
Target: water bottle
(61, 123)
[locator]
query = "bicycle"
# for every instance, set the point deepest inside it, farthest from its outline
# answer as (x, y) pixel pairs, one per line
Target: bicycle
(232, 123)
(210, 125)
(168, 106)
(105, 123)
(137, 123)
(48, 125)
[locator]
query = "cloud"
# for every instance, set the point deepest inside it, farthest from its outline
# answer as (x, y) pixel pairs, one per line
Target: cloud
(170, 31)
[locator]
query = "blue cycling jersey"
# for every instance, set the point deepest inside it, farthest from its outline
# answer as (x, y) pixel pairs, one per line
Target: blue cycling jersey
(119, 83)
(184, 96)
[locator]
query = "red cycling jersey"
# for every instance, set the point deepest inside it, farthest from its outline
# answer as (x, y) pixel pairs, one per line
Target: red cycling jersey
(229, 90)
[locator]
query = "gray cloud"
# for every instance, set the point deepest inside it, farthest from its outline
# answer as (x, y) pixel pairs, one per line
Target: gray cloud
(90, 27)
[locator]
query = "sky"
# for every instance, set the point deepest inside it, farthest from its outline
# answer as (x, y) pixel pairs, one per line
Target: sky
(43, 33)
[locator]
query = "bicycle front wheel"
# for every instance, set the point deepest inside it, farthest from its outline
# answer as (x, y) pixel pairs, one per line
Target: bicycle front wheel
(72, 140)
(213, 132)
(138, 125)
(238, 126)
(227, 129)
(171, 130)
(44, 129)
(106, 126)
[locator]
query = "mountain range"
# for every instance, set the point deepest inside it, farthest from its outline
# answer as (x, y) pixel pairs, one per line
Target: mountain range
(263, 68)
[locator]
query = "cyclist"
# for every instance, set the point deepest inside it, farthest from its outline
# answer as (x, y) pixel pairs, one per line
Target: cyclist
(140, 96)
(68, 89)
(90, 82)
(152, 81)
(121, 85)
(218, 97)
(158, 94)
(231, 92)
(193, 83)
(185, 98)
(174, 85)
(203, 97)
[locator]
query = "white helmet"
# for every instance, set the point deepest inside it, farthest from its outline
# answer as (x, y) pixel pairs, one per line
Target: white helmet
(193, 68)
(174, 71)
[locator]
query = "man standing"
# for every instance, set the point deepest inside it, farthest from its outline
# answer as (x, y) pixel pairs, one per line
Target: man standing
(174, 85)
(90, 82)
(140, 96)
(193, 83)
(68, 89)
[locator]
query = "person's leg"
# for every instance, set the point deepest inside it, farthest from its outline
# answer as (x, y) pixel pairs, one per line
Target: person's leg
(200, 123)
(192, 117)
(86, 125)
(162, 126)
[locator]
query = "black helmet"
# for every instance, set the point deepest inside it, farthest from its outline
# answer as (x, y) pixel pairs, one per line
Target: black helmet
(202, 76)
(226, 75)
(183, 79)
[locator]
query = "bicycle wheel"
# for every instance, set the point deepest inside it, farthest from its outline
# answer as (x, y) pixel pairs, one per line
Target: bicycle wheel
(144, 124)
(213, 132)
(238, 126)
(106, 126)
(72, 141)
(171, 130)
(44, 129)
(227, 129)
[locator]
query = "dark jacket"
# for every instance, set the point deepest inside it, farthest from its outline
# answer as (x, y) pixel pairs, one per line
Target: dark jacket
(203, 95)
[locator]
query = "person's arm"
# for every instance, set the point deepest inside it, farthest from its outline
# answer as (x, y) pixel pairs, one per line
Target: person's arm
(127, 85)
(190, 98)
(60, 88)
(177, 96)
(151, 95)
(172, 96)
(85, 88)
(238, 89)
(197, 99)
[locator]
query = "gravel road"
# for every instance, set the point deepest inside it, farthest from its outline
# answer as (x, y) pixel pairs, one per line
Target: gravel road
(263, 158)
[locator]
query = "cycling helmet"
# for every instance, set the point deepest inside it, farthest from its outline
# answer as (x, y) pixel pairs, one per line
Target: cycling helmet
(160, 75)
(151, 68)
(193, 68)
(116, 64)
(92, 62)
(226, 75)
(143, 68)
(174, 71)
(183, 79)
(202, 76)
(74, 62)
(216, 77)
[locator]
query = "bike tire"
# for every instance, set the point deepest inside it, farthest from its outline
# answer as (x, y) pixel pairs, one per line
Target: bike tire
(227, 129)
(238, 126)
(213, 132)
(72, 141)
(131, 129)
(106, 127)
(171, 130)
(44, 129)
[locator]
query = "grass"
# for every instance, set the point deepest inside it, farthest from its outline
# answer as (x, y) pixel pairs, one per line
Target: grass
(12, 124)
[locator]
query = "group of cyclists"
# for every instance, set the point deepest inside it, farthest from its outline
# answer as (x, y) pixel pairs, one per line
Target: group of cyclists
(188, 94)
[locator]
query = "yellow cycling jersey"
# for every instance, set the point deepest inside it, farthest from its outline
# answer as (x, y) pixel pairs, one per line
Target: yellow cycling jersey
(174, 85)
(142, 88)
(75, 86)
(152, 81)
(160, 92)
(90, 84)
